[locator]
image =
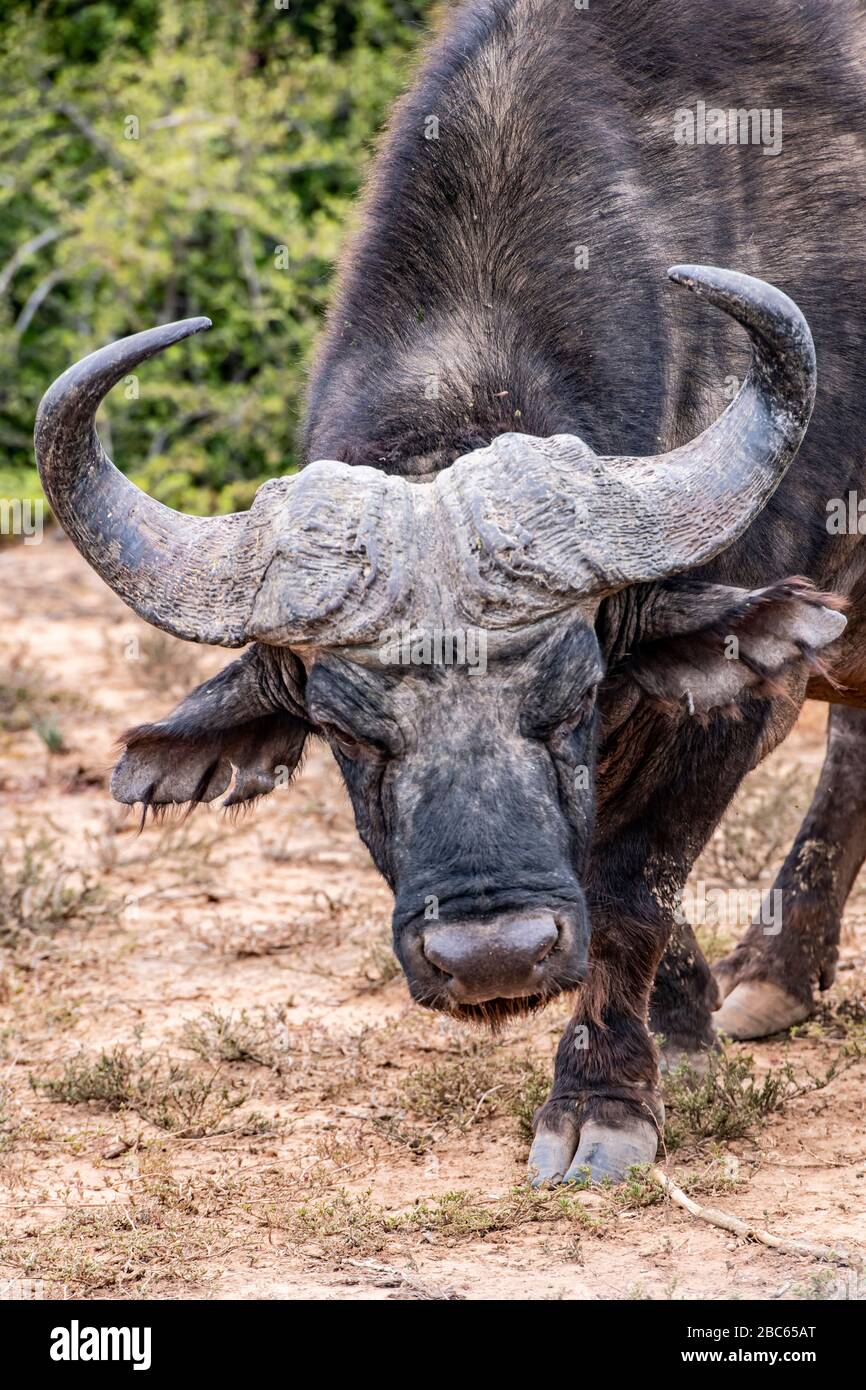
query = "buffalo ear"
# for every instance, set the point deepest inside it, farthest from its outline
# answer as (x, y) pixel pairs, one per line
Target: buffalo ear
(226, 727)
(710, 644)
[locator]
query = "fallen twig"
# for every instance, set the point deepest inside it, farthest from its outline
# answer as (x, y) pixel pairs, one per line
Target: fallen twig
(726, 1222)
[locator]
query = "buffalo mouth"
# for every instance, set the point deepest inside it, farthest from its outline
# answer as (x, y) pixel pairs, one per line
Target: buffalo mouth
(501, 966)
(493, 1013)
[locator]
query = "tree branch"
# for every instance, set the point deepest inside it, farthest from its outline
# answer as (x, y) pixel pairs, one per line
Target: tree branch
(28, 248)
(725, 1222)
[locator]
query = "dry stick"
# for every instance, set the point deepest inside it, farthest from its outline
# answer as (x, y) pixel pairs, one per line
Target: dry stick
(742, 1228)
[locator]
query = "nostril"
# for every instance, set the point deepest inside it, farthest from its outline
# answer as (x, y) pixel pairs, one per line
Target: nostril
(433, 956)
(548, 945)
(538, 937)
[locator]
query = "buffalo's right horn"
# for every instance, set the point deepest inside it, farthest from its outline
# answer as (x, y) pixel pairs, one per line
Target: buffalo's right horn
(190, 575)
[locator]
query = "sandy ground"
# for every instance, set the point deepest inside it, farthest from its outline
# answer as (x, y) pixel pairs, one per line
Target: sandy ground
(272, 1117)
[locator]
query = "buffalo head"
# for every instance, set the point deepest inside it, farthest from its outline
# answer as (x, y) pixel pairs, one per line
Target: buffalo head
(474, 789)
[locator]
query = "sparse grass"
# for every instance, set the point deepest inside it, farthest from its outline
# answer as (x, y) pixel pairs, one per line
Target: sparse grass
(716, 939)
(171, 1095)
(531, 1092)
(8, 1123)
(335, 1066)
(731, 1101)
(42, 893)
(640, 1189)
(261, 1036)
(27, 698)
(454, 1094)
(746, 851)
(122, 1248)
(355, 1223)
(469, 1214)
(380, 966)
(180, 849)
(827, 1285)
(159, 662)
(457, 1095)
(161, 1186)
(136, 1245)
(841, 1019)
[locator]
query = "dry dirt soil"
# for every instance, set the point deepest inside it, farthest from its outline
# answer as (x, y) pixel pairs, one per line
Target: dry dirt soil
(213, 1083)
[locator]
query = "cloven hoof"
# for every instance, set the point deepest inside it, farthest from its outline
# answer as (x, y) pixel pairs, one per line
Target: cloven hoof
(603, 1153)
(757, 1008)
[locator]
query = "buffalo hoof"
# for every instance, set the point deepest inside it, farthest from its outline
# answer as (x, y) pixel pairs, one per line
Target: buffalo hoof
(757, 1008)
(603, 1153)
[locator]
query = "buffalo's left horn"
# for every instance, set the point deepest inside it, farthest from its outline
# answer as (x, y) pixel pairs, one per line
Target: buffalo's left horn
(707, 493)
(693, 502)
(189, 575)
(552, 514)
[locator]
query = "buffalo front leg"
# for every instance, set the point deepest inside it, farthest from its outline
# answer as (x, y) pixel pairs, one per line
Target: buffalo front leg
(769, 978)
(604, 1113)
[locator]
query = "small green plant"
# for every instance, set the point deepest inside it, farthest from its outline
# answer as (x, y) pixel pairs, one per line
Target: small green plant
(109, 1080)
(639, 1189)
(261, 1037)
(42, 893)
(459, 1094)
(169, 1094)
(49, 732)
(454, 1094)
(730, 1101)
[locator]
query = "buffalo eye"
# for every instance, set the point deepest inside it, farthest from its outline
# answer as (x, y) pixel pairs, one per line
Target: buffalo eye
(350, 746)
(556, 726)
(346, 744)
(584, 708)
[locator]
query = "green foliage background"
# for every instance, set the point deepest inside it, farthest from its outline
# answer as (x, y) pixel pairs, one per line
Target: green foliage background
(162, 158)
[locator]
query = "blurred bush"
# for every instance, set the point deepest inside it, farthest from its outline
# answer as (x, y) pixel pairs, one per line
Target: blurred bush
(163, 158)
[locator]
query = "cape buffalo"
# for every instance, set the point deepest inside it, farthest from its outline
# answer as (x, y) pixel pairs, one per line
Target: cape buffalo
(518, 429)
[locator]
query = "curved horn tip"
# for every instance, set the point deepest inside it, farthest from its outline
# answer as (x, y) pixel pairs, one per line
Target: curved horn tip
(718, 286)
(695, 276)
(199, 324)
(167, 334)
(95, 374)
